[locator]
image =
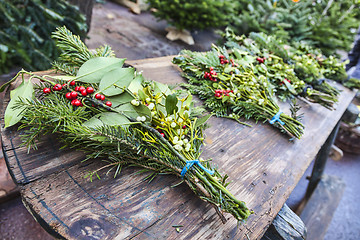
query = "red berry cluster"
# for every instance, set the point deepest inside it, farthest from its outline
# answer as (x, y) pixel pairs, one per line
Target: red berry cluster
(74, 94)
(223, 60)
(260, 60)
(101, 97)
(285, 79)
(211, 75)
(222, 92)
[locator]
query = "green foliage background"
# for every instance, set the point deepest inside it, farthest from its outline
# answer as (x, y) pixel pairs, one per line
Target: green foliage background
(325, 24)
(195, 14)
(25, 31)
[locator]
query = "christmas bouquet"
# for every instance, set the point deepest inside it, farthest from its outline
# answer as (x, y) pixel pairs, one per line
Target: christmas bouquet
(289, 77)
(233, 89)
(111, 112)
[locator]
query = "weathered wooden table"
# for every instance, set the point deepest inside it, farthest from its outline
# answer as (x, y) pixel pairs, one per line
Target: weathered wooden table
(264, 167)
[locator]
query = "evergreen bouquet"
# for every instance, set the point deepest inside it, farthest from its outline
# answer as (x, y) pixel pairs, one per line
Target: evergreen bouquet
(231, 88)
(113, 113)
(25, 31)
(293, 72)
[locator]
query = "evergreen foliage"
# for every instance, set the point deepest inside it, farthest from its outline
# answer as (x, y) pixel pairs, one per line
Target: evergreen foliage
(25, 31)
(325, 24)
(190, 15)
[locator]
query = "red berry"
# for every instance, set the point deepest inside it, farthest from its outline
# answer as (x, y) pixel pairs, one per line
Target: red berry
(68, 96)
(221, 56)
(183, 127)
(162, 134)
(64, 85)
(74, 94)
(77, 88)
(108, 103)
(102, 97)
(81, 88)
(211, 68)
(84, 93)
(98, 96)
(76, 102)
(226, 61)
(89, 90)
(47, 90)
(57, 87)
(218, 91)
(72, 83)
(217, 95)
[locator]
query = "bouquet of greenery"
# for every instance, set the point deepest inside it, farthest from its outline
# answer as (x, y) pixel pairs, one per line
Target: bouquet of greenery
(231, 88)
(112, 113)
(284, 67)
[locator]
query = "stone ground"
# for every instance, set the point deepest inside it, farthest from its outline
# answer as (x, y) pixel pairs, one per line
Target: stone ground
(141, 36)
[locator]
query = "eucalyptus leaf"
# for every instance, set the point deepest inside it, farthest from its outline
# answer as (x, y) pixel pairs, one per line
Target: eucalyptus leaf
(170, 104)
(115, 81)
(94, 69)
(202, 121)
(107, 118)
(13, 115)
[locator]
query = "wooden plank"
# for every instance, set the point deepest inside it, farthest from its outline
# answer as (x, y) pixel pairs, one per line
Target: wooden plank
(262, 165)
(286, 226)
(321, 206)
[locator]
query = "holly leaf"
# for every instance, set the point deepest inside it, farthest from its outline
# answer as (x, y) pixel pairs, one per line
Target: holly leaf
(14, 113)
(94, 69)
(171, 104)
(115, 81)
(106, 119)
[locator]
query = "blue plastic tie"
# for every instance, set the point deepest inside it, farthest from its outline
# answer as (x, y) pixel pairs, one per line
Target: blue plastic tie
(190, 163)
(276, 118)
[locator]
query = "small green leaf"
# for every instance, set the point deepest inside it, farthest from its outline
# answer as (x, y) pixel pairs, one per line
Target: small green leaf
(25, 91)
(64, 77)
(225, 98)
(161, 88)
(202, 121)
(142, 95)
(120, 99)
(94, 69)
(114, 82)
(136, 84)
(106, 118)
(170, 104)
(135, 111)
(290, 87)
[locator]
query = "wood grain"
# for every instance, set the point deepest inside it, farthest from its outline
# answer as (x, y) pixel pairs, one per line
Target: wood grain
(263, 166)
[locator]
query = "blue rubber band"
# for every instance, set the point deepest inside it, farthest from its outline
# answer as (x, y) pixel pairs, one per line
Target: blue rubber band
(276, 118)
(190, 163)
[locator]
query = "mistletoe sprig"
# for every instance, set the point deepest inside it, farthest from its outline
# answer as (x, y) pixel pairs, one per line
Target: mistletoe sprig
(113, 113)
(231, 88)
